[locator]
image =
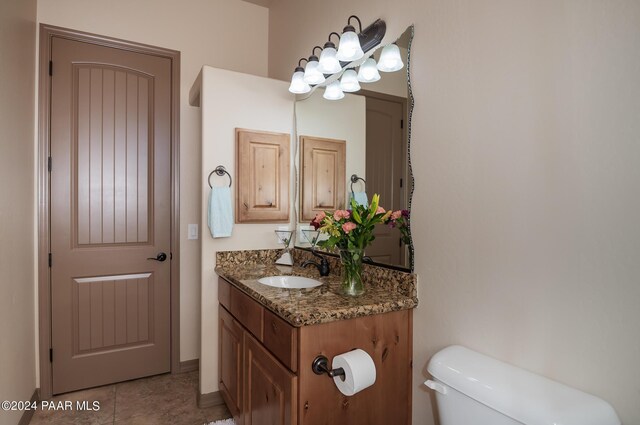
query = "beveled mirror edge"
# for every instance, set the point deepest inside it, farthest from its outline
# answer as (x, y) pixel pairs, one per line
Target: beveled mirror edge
(409, 164)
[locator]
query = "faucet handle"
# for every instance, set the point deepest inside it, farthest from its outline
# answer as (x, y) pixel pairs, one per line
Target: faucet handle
(324, 266)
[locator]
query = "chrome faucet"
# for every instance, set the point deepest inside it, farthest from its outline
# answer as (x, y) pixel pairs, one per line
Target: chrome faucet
(322, 266)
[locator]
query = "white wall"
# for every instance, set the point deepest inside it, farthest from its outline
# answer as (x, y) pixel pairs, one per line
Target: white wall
(228, 34)
(344, 119)
(525, 152)
(17, 73)
(231, 100)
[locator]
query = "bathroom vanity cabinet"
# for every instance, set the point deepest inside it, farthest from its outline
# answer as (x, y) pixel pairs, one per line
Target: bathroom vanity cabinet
(265, 365)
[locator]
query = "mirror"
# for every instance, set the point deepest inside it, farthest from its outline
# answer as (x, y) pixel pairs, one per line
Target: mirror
(374, 126)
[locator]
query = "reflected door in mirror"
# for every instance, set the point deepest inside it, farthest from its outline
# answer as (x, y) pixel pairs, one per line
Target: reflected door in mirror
(323, 175)
(386, 153)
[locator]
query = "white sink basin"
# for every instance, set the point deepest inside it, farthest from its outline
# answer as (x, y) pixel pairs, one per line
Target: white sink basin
(291, 282)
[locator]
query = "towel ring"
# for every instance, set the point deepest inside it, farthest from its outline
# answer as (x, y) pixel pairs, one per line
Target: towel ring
(354, 179)
(220, 171)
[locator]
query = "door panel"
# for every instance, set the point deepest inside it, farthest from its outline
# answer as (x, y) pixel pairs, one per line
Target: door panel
(323, 175)
(270, 389)
(230, 363)
(110, 211)
(385, 168)
(112, 312)
(262, 161)
(112, 177)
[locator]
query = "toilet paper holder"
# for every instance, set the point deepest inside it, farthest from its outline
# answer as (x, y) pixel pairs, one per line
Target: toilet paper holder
(320, 366)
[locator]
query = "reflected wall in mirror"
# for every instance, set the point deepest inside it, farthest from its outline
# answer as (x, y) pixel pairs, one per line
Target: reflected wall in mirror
(375, 124)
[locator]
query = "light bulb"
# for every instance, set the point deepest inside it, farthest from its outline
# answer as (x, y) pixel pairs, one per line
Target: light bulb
(333, 91)
(390, 59)
(368, 72)
(329, 64)
(349, 48)
(298, 86)
(311, 73)
(349, 81)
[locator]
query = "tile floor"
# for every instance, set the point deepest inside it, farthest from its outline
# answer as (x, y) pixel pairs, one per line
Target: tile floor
(158, 400)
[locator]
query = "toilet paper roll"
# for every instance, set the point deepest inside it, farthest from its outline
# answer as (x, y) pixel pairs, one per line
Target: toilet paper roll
(359, 371)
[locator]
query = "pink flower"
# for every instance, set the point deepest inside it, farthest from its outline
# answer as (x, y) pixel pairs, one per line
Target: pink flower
(348, 227)
(340, 214)
(380, 210)
(319, 217)
(317, 221)
(396, 215)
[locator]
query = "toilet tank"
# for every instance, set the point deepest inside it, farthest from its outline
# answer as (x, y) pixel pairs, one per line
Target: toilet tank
(474, 389)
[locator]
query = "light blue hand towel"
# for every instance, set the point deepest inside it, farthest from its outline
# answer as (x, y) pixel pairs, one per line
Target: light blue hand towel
(220, 217)
(360, 198)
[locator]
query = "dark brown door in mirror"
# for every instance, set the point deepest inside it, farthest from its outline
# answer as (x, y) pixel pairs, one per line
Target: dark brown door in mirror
(386, 153)
(110, 214)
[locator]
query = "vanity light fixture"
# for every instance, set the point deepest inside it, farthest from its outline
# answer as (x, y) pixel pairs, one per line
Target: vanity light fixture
(390, 59)
(311, 73)
(349, 48)
(333, 91)
(349, 81)
(298, 86)
(329, 64)
(368, 72)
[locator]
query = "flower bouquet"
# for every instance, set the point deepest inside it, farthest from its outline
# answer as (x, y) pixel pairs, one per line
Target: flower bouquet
(351, 231)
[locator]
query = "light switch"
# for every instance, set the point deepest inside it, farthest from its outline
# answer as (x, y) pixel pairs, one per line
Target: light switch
(192, 232)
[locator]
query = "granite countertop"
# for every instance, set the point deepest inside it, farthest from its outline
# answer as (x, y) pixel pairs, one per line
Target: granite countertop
(325, 303)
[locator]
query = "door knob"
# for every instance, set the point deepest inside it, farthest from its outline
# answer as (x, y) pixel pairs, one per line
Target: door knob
(160, 257)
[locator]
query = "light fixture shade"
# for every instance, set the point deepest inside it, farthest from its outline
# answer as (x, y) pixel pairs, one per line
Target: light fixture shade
(298, 86)
(333, 91)
(349, 81)
(349, 48)
(329, 64)
(390, 59)
(368, 72)
(311, 73)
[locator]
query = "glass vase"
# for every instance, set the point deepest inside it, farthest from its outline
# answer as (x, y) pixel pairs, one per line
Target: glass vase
(352, 271)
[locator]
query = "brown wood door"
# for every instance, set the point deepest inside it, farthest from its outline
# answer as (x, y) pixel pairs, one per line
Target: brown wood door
(230, 363)
(386, 153)
(262, 172)
(323, 175)
(270, 395)
(110, 211)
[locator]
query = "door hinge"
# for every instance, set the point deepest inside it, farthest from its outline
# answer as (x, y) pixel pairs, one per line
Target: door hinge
(50, 68)
(401, 123)
(50, 260)
(400, 242)
(400, 181)
(50, 355)
(49, 164)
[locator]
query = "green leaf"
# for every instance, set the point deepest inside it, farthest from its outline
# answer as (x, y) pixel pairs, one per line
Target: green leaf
(356, 216)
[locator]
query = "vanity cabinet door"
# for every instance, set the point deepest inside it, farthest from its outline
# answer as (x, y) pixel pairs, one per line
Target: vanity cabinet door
(230, 363)
(270, 390)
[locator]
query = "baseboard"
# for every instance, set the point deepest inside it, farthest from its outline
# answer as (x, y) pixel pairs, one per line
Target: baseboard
(189, 366)
(28, 414)
(209, 399)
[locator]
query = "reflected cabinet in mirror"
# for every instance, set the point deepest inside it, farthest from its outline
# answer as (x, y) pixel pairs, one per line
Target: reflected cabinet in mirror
(358, 146)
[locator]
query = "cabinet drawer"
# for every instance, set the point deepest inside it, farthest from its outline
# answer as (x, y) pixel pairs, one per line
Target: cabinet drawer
(281, 339)
(247, 311)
